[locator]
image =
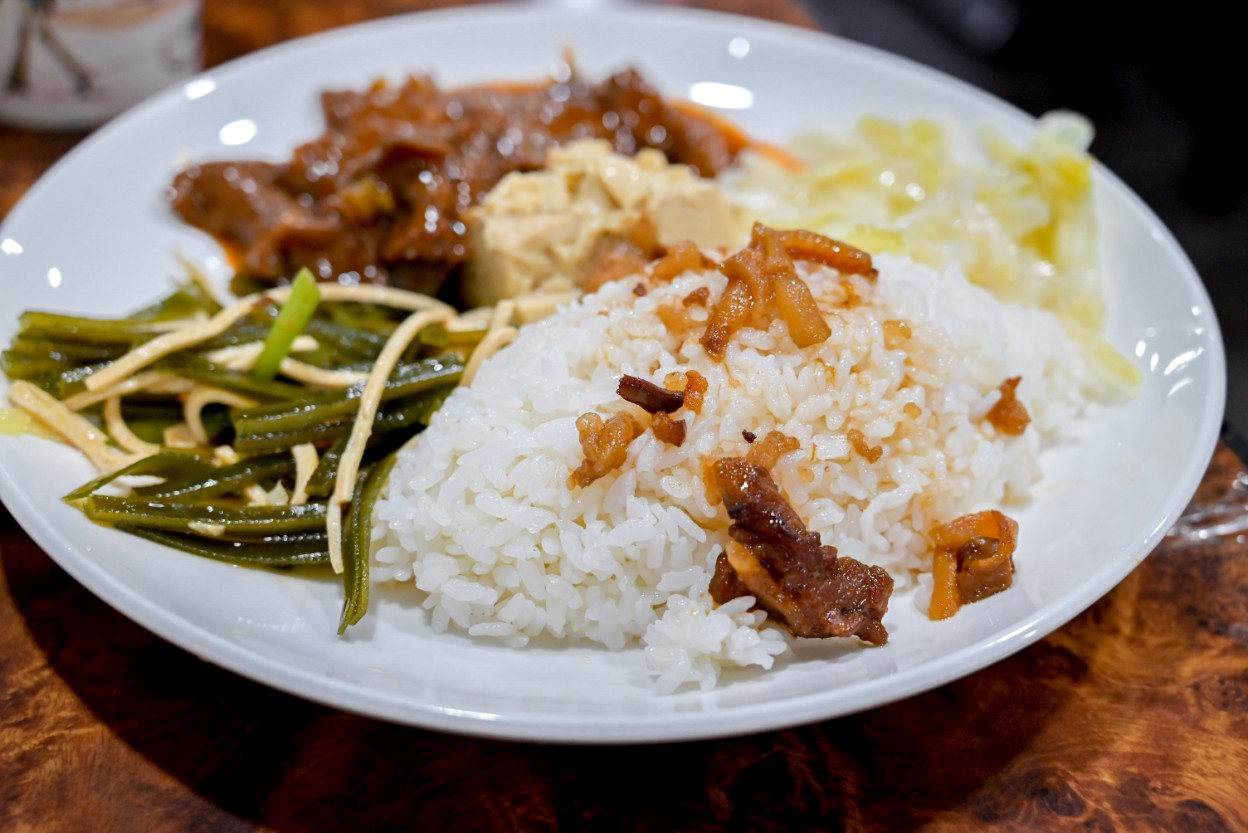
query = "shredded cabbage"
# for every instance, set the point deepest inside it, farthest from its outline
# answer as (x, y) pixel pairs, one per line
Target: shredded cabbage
(1020, 221)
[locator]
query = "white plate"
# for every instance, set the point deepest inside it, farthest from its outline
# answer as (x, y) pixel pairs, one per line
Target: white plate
(95, 236)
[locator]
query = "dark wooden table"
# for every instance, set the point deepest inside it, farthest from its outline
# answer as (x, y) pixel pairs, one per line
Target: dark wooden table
(1132, 717)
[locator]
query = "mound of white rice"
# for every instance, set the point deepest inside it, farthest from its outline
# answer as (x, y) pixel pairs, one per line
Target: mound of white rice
(479, 514)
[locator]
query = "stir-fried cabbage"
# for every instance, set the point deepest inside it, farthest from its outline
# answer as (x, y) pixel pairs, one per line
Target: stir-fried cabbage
(1020, 221)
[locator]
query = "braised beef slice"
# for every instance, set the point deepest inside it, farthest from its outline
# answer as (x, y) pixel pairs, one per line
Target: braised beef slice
(418, 156)
(798, 581)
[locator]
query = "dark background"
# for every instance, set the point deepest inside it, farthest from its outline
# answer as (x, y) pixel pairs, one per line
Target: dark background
(1164, 92)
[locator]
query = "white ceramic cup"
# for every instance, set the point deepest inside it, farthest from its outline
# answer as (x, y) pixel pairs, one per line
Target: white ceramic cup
(74, 64)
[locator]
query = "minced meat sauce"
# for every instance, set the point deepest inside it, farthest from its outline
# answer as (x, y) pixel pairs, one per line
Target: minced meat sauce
(380, 196)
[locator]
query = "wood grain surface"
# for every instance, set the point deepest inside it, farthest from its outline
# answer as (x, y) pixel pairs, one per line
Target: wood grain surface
(1132, 717)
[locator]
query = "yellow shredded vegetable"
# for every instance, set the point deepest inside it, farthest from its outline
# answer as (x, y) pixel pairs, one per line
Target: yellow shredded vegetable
(1021, 221)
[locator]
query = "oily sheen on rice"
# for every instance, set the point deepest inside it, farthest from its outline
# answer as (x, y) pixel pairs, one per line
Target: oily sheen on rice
(480, 517)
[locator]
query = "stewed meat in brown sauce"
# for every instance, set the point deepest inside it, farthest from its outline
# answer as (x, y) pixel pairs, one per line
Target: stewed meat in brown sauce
(791, 574)
(380, 196)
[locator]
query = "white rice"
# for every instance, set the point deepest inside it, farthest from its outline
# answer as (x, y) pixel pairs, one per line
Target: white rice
(478, 514)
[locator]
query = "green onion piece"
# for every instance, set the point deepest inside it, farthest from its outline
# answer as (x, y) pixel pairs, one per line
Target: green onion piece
(296, 313)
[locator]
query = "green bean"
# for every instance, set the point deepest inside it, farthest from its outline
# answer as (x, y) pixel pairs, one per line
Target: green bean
(389, 424)
(400, 413)
(250, 521)
(44, 371)
(152, 429)
(150, 408)
(80, 328)
(437, 335)
(188, 299)
(197, 506)
(199, 369)
(406, 380)
(231, 479)
(70, 381)
(266, 442)
(350, 343)
(356, 547)
(244, 331)
(321, 483)
(167, 464)
(148, 418)
(367, 317)
(66, 350)
(266, 553)
(305, 538)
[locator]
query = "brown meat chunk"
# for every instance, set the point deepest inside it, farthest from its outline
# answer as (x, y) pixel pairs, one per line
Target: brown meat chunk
(763, 283)
(770, 449)
(670, 431)
(799, 582)
(730, 313)
(973, 559)
(684, 257)
(380, 196)
(793, 299)
(1009, 416)
(808, 245)
(605, 445)
(648, 396)
(612, 260)
(692, 384)
(695, 390)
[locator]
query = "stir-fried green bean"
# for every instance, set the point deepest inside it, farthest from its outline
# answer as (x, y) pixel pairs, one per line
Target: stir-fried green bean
(323, 422)
(237, 504)
(168, 465)
(231, 479)
(357, 536)
(189, 299)
(213, 520)
(350, 343)
(200, 369)
(95, 330)
(407, 380)
(275, 552)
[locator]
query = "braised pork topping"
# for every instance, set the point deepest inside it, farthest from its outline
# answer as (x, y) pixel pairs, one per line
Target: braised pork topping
(763, 283)
(973, 559)
(648, 396)
(605, 445)
(670, 431)
(684, 257)
(797, 580)
(1009, 416)
(768, 451)
(692, 384)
